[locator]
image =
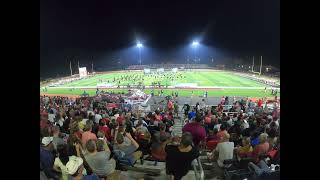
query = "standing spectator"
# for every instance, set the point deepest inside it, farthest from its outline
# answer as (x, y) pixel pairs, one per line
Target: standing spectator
(191, 114)
(185, 153)
(88, 134)
(186, 108)
(198, 132)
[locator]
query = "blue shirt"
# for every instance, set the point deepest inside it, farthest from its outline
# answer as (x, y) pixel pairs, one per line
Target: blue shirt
(46, 158)
(191, 114)
(255, 141)
(87, 177)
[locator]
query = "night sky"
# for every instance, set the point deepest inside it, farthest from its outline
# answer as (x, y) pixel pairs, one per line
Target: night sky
(106, 32)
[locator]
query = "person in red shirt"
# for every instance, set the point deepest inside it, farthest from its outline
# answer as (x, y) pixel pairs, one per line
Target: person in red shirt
(260, 103)
(121, 119)
(262, 148)
(105, 129)
(198, 132)
(157, 116)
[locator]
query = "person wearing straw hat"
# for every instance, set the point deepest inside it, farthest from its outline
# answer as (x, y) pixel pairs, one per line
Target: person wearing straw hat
(74, 168)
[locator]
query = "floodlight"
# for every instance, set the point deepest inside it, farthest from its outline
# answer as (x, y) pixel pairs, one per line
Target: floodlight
(139, 45)
(195, 43)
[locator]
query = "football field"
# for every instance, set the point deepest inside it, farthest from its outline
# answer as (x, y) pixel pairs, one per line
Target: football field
(217, 83)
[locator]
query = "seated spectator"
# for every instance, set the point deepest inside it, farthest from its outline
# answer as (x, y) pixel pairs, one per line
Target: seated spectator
(88, 134)
(105, 129)
(157, 116)
(135, 123)
(158, 147)
(75, 169)
(141, 128)
(75, 130)
(223, 130)
(97, 118)
(255, 138)
(246, 149)
(198, 132)
(100, 144)
(74, 145)
(61, 161)
(272, 138)
(157, 134)
(99, 162)
(224, 150)
(51, 116)
(121, 119)
(185, 153)
(213, 135)
(47, 157)
(59, 119)
(102, 137)
(262, 148)
(44, 122)
(56, 137)
(144, 141)
(125, 151)
(217, 126)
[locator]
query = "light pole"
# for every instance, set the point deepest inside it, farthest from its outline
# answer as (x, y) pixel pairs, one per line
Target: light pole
(139, 45)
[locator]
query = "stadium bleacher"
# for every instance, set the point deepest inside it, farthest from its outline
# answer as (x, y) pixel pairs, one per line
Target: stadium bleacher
(236, 140)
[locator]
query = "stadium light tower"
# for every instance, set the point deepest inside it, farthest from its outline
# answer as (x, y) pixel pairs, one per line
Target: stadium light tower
(139, 45)
(195, 44)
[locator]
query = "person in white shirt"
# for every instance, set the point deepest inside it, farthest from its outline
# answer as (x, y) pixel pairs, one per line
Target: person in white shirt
(217, 126)
(97, 118)
(230, 121)
(245, 124)
(224, 150)
(51, 116)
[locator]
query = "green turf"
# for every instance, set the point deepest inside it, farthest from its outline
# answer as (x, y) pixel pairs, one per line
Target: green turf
(201, 78)
(209, 78)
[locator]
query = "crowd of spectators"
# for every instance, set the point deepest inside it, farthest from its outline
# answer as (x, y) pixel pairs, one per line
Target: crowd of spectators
(84, 139)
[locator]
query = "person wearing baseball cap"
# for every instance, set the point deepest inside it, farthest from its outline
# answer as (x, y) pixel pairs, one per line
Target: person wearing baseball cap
(75, 168)
(47, 156)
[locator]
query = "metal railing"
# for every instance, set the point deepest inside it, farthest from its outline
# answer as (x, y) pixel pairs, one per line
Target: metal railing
(199, 174)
